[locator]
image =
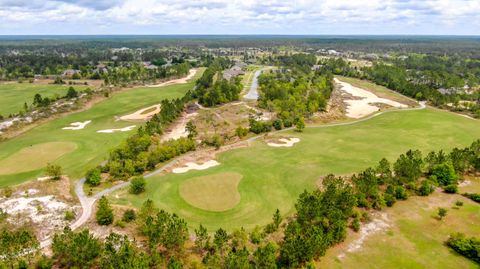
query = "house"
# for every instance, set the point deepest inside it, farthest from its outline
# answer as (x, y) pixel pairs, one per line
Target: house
(234, 71)
(71, 72)
(101, 68)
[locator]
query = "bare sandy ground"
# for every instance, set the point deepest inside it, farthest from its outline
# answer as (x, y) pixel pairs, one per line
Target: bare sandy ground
(286, 142)
(364, 105)
(142, 114)
(77, 125)
(125, 129)
(178, 129)
(183, 80)
(194, 166)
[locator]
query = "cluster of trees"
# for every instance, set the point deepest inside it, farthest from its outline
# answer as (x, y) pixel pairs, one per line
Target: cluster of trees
(294, 92)
(212, 89)
(144, 150)
(138, 73)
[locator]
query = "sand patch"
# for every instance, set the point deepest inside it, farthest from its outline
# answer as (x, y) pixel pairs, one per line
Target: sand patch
(375, 226)
(77, 125)
(44, 178)
(464, 183)
(178, 129)
(285, 142)
(194, 166)
(218, 192)
(124, 129)
(142, 114)
(183, 80)
(364, 104)
(35, 157)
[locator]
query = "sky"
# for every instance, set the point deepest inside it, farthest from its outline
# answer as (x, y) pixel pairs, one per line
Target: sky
(290, 17)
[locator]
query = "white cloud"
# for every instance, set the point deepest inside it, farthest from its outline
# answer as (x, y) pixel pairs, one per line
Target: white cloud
(240, 16)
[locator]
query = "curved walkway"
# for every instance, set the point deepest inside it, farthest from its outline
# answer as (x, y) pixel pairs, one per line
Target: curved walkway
(88, 202)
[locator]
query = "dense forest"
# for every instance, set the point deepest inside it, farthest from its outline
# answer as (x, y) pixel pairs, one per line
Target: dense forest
(295, 91)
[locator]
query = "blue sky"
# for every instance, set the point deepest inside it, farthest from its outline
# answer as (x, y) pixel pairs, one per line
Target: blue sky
(411, 17)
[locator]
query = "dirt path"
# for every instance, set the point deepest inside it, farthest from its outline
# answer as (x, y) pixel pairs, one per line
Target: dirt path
(87, 203)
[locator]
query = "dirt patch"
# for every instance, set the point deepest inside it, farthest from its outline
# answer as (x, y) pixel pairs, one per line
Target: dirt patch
(77, 125)
(142, 114)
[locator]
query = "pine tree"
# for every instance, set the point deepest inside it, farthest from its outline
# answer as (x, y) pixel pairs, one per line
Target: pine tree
(104, 212)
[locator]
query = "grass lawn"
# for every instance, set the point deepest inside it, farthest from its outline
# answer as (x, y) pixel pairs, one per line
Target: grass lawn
(91, 147)
(415, 238)
(14, 95)
(274, 177)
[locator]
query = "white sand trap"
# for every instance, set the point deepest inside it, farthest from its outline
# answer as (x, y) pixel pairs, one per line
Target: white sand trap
(178, 130)
(363, 107)
(142, 114)
(125, 129)
(464, 183)
(194, 166)
(44, 178)
(183, 80)
(37, 209)
(286, 142)
(77, 125)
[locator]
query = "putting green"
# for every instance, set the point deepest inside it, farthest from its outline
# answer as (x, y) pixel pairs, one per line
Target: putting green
(93, 147)
(35, 157)
(274, 177)
(216, 192)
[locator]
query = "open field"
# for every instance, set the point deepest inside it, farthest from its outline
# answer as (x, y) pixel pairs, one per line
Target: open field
(274, 177)
(14, 95)
(91, 147)
(414, 238)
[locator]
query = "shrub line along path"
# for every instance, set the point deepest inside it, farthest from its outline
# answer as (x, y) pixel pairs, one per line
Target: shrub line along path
(88, 202)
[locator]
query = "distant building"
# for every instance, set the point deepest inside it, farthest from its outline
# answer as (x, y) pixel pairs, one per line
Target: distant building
(71, 72)
(234, 71)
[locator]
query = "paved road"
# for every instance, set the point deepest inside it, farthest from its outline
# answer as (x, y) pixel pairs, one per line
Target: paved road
(88, 202)
(253, 92)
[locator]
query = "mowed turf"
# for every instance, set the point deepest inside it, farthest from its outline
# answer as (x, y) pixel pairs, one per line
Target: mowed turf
(274, 177)
(92, 147)
(35, 157)
(415, 237)
(216, 192)
(14, 95)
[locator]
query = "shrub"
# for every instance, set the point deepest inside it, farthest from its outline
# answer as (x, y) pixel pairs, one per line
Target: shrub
(445, 174)
(241, 132)
(277, 124)
(468, 247)
(93, 177)
(54, 171)
(452, 188)
(426, 188)
(137, 185)
(356, 225)
(401, 193)
(459, 203)
(473, 196)
(389, 199)
(69, 215)
(442, 212)
(129, 215)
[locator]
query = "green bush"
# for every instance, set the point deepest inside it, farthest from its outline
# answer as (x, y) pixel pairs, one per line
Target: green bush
(137, 185)
(468, 247)
(129, 215)
(104, 214)
(69, 215)
(93, 177)
(452, 188)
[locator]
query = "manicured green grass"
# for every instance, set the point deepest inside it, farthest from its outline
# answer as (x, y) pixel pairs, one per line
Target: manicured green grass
(92, 147)
(274, 177)
(213, 192)
(14, 95)
(415, 238)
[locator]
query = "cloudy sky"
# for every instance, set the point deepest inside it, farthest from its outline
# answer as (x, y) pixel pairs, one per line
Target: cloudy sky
(437, 17)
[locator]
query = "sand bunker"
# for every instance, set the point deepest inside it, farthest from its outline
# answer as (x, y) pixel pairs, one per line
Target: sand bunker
(364, 106)
(286, 142)
(77, 125)
(183, 80)
(194, 166)
(125, 129)
(178, 129)
(142, 114)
